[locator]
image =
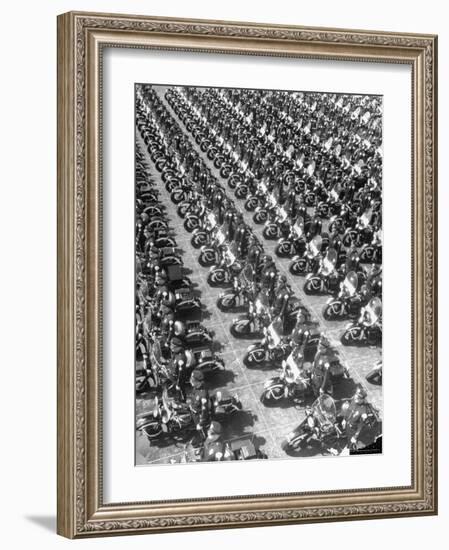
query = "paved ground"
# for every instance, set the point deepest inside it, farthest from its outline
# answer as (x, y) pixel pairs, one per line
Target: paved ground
(266, 425)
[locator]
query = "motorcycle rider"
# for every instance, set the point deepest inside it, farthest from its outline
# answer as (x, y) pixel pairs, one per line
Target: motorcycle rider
(353, 417)
(199, 404)
(214, 448)
(321, 379)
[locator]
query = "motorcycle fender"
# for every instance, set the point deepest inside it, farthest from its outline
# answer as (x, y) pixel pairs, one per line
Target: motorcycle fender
(296, 258)
(309, 276)
(349, 325)
(329, 300)
(252, 347)
(271, 382)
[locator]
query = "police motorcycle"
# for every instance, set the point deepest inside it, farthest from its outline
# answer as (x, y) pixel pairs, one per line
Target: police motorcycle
(258, 197)
(293, 383)
(188, 333)
(342, 220)
(194, 216)
(294, 243)
(361, 231)
(262, 213)
(271, 350)
(174, 419)
(250, 324)
(161, 238)
(241, 293)
(347, 302)
(367, 330)
(228, 268)
(372, 252)
(179, 300)
(166, 419)
(203, 235)
(309, 260)
(319, 429)
(326, 278)
(212, 253)
(277, 225)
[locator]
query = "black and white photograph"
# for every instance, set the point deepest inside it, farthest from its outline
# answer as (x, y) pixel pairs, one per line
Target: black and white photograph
(258, 274)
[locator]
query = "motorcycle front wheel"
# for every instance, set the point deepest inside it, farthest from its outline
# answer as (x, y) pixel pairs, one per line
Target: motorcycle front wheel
(240, 328)
(207, 258)
(312, 286)
(251, 204)
(199, 239)
(333, 311)
(270, 232)
(272, 394)
(226, 302)
(190, 224)
(254, 358)
(217, 277)
(298, 267)
(260, 217)
(352, 336)
(283, 250)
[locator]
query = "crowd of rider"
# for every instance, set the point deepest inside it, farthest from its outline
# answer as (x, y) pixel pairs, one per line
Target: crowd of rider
(307, 167)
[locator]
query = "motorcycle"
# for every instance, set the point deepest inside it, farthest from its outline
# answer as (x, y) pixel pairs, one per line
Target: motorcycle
(166, 418)
(251, 324)
(292, 383)
(271, 350)
(227, 269)
(318, 429)
(326, 278)
(347, 303)
(278, 226)
(210, 254)
(367, 330)
(241, 292)
(295, 243)
(203, 235)
(309, 260)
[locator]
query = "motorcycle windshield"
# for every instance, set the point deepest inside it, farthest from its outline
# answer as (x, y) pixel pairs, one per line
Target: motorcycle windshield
(221, 235)
(351, 282)
(156, 352)
(274, 334)
(294, 366)
(365, 218)
(298, 228)
(262, 302)
(329, 261)
(212, 220)
(230, 255)
(374, 310)
(325, 411)
(315, 245)
(282, 215)
(247, 275)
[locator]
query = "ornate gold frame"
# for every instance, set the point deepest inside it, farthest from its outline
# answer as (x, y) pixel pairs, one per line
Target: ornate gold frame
(81, 37)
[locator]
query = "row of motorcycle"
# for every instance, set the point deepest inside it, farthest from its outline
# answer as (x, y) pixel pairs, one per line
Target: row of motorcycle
(174, 350)
(346, 259)
(236, 258)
